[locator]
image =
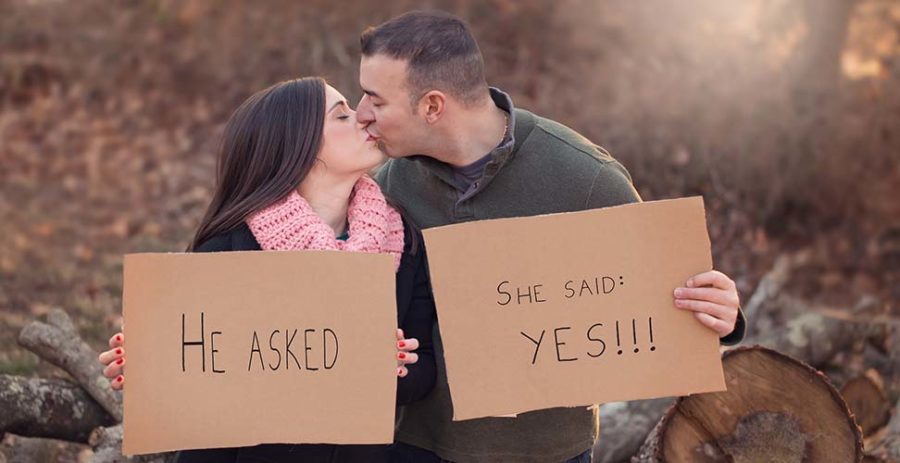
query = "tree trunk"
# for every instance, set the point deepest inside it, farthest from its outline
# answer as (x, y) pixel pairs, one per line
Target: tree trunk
(48, 408)
(818, 58)
(776, 409)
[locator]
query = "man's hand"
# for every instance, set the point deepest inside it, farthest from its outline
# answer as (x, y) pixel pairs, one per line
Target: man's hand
(713, 298)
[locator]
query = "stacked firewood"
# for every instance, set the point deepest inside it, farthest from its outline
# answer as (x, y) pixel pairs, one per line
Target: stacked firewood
(85, 410)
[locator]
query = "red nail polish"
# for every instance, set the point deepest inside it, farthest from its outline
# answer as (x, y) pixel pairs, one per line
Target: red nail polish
(118, 351)
(120, 379)
(401, 344)
(401, 355)
(119, 362)
(118, 338)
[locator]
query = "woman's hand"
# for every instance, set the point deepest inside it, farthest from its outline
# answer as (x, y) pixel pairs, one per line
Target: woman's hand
(713, 298)
(405, 354)
(114, 361)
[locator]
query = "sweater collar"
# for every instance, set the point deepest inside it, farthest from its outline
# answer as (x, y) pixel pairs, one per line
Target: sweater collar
(519, 127)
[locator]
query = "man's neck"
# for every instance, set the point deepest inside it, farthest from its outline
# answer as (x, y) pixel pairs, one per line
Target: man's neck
(477, 133)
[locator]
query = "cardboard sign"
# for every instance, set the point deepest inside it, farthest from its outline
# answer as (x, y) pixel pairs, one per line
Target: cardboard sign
(572, 309)
(242, 348)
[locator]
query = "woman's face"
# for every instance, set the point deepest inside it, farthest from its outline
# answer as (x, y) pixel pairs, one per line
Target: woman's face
(347, 149)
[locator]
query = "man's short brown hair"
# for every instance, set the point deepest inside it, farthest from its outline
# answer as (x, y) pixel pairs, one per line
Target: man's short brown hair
(440, 51)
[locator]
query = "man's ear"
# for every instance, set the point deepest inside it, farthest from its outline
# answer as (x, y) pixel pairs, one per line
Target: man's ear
(432, 105)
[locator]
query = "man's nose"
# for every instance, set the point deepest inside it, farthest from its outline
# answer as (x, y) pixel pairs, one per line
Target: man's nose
(359, 124)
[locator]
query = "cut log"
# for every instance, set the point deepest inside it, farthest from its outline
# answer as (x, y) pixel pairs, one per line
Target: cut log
(887, 450)
(624, 425)
(770, 285)
(891, 347)
(48, 408)
(776, 409)
(58, 342)
(19, 449)
(866, 398)
(812, 336)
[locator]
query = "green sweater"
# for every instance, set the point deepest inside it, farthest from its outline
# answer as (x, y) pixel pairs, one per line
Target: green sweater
(548, 168)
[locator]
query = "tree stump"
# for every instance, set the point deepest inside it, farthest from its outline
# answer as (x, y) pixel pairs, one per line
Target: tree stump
(776, 409)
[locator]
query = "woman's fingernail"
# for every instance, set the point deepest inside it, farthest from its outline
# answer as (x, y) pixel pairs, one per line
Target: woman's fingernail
(120, 378)
(678, 292)
(401, 355)
(118, 351)
(401, 344)
(399, 371)
(119, 362)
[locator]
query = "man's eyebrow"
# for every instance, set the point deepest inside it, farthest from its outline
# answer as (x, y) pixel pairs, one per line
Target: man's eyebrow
(342, 102)
(371, 93)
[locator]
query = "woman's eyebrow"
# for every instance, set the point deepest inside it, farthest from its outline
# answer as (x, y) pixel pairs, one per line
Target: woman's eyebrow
(342, 102)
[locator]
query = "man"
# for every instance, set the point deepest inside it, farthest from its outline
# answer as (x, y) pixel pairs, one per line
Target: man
(460, 152)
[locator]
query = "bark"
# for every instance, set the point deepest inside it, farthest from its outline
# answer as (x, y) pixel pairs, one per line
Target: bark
(48, 408)
(624, 425)
(770, 286)
(19, 449)
(107, 444)
(814, 335)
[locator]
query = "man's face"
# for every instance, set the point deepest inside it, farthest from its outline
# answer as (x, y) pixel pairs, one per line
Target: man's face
(385, 107)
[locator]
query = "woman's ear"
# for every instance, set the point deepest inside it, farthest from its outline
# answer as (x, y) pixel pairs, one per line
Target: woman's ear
(432, 105)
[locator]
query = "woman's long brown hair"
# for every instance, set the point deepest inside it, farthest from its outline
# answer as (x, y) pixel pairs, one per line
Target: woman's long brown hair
(269, 146)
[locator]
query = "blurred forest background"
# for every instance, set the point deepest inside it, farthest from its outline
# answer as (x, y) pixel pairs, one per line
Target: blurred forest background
(783, 114)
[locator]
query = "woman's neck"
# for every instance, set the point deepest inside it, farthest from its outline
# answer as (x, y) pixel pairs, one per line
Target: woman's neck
(329, 198)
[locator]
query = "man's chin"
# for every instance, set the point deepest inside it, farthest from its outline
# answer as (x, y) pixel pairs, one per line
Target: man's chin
(393, 154)
(385, 150)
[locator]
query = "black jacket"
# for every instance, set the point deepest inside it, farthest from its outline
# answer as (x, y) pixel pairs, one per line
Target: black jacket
(415, 303)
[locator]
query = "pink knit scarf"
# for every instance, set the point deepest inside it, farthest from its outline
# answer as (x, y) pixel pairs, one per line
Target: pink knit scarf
(290, 224)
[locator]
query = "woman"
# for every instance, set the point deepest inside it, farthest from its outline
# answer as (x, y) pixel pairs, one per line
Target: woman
(292, 176)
